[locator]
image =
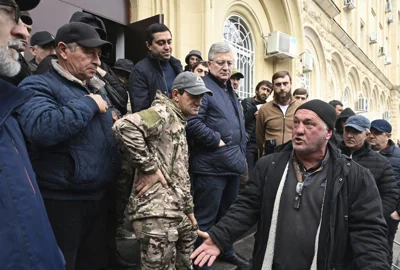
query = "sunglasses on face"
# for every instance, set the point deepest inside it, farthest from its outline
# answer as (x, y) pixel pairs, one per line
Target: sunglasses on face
(16, 10)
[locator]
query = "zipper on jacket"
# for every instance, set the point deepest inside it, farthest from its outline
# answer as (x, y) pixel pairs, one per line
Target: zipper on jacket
(26, 172)
(163, 77)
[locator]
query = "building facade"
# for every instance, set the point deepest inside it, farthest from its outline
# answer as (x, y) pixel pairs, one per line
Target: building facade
(354, 45)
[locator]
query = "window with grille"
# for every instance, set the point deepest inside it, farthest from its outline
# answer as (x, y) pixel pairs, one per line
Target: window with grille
(237, 33)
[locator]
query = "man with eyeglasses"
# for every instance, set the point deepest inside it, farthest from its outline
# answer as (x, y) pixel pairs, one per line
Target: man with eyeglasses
(380, 140)
(68, 125)
(218, 144)
(315, 208)
(26, 235)
(275, 119)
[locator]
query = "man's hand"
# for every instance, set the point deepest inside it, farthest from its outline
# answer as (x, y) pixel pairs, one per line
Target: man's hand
(207, 251)
(114, 116)
(221, 143)
(193, 221)
(146, 181)
(395, 215)
(101, 103)
(101, 71)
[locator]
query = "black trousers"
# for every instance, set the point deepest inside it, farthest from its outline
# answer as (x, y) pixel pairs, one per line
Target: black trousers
(80, 230)
(392, 229)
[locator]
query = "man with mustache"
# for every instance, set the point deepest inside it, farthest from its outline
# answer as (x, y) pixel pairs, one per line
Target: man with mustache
(356, 146)
(315, 208)
(251, 107)
(155, 142)
(26, 236)
(156, 71)
(218, 143)
(275, 119)
(68, 125)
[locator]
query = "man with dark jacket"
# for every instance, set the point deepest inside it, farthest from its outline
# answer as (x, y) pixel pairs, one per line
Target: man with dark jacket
(337, 137)
(379, 139)
(250, 110)
(315, 208)
(218, 143)
(42, 45)
(25, 233)
(156, 71)
(72, 148)
(355, 146)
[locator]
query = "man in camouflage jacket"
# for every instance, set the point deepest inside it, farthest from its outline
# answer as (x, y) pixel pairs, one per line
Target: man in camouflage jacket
(162, 212)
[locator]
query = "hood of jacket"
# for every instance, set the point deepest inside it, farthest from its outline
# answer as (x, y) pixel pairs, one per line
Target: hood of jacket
(346, 113)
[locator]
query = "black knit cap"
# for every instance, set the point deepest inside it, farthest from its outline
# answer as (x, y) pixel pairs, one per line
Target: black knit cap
(324, 110)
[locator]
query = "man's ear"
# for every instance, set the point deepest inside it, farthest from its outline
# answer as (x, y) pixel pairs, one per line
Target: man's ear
(148, 46)
(32, 50)
(389, 135)
(62, 49)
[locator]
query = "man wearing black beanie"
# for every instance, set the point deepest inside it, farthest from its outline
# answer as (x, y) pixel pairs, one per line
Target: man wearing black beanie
(312, 205)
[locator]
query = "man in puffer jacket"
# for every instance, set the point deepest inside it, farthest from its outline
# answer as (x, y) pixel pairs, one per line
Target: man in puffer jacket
(355, 146)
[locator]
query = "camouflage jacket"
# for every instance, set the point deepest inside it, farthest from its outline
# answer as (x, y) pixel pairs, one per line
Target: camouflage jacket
(156, 139)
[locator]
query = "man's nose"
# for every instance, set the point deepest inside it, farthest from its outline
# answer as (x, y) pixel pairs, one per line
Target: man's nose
(19, 31)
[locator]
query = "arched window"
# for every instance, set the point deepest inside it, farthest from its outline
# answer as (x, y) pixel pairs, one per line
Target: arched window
(238, 35)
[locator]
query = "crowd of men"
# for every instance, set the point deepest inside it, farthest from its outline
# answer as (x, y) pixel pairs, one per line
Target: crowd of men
(80, 141)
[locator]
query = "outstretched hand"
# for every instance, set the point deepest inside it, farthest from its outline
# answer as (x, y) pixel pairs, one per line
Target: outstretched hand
(207, 251)
(146, 181)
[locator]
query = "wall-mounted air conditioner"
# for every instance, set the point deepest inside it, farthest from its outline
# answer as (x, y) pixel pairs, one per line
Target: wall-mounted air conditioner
(362, 104)
(281, 45)
(388, 60)
(349, 4)
(307, 62)
(390, 18)
(373, 38)
(388, 6)
(382, 51)
(386, 115)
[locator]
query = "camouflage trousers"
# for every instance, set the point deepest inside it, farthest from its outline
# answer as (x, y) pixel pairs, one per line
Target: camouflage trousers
(165, 243)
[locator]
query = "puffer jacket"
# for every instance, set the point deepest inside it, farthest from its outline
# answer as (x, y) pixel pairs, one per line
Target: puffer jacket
(72, 147)
(26, 237)
(353, 231)
(392, 153)
(220, 118)
(382, 171)
(156, 139)
(146, 78)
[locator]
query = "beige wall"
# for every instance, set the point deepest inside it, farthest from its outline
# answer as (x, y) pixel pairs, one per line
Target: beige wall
(196, 24)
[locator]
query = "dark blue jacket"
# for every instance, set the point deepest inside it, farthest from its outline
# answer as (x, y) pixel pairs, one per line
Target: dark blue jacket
(26, 237)
(392, 153)
(146, 78)
(220, 118)
(72, 148)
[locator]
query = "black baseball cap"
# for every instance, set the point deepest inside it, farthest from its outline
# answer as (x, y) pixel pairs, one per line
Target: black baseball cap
(124, 65)
(91, 20)
(25, 4)
(26, 17)
(381, 125)
(42, 38)
(83, 34)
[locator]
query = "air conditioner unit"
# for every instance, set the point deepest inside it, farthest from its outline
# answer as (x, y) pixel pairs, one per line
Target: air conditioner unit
(281, 45)
(362, 104)
(307, 62)
(388, 60)
(349, 4)
(390, 18)
(382, 51)
(388, 7)
(373, 38)
(386, 115)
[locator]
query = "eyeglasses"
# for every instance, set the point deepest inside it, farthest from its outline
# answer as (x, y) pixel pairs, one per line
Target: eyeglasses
(16, 10)
(278, 84)
(222, 63)
(297, 199)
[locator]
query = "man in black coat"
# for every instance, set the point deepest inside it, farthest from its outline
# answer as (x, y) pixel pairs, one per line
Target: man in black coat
(156, 71)
(379, 139)
(312, 204)
(250, 110)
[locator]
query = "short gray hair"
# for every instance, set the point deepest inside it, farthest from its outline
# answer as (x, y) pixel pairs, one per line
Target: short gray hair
(219, 47)
(72, 46)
